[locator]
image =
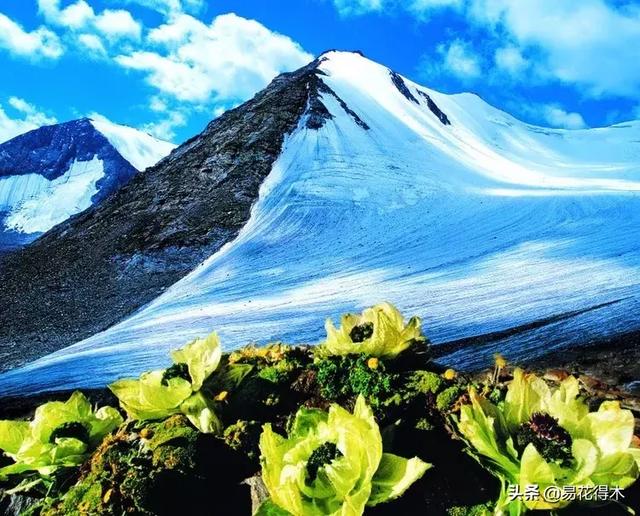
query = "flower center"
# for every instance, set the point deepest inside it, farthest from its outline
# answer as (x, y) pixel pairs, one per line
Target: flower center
(176, 371)
(550, 440)
(361, 332)
(73, 429)
(320, 457)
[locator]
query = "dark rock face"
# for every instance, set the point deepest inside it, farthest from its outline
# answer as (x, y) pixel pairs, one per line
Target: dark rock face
(399, 83)
(435, 109)
(91, 271)
(317, 112)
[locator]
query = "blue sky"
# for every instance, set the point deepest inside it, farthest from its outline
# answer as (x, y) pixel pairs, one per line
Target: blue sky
(170, 66)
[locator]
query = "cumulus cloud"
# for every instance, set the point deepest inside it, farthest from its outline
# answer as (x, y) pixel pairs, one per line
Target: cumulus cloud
(556, 116)
(510, 60)
(590, 43)
(165, 128)
(113, 24)
(460, 59)
(455, 59)
(23, 117)
(93, 44)
(118, 24)
(232, 58)
(38, 44)
(419, 7)
(171, 6)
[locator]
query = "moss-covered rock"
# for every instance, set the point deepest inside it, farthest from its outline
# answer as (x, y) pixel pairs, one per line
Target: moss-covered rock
(159, 468)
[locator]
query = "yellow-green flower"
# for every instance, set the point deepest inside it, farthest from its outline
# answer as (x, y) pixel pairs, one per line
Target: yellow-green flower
(379, 331)
(60, 434)
(332, 464)
(545, 437)
(159, 394)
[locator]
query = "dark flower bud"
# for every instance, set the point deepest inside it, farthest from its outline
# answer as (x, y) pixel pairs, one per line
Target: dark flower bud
(550, 440)
(320, 457)
(361, 332)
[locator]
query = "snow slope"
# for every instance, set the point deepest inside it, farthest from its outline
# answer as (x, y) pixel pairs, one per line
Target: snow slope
(44, 203)
(49, 174)
(139, 148)
(481, 226)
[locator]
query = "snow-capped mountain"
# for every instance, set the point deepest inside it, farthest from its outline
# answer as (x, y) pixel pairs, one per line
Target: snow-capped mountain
(54, 172)
(501, 235)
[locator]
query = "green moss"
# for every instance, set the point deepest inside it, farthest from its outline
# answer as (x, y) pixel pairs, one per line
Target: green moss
(341, 377)
(471, 510)
(424, 424)
(280, 372)
(448, 397)
(175, 428)
(425, 382)
(243, 436)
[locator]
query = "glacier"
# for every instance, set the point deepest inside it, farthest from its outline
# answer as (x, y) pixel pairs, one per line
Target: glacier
(524, 238)
(35, 204)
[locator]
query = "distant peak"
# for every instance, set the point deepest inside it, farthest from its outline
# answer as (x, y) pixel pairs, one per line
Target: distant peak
(336, 51)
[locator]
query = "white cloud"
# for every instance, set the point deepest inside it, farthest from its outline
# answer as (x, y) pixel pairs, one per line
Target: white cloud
(419, 7)
(74, 16)
(40, 43)
(165, 128)
(171, 6)
(230, 59)
(118, 24)
(459, 60)
(25, 118)
(590, 43)
(93, 44)
(113, 24)
(158, 104)
(556, 116)
(510, 60)
(357, 7)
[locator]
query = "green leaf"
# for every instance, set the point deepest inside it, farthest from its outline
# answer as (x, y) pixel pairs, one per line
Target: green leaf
(12, 434)
(394, 476)
(268, 508)
(526, 394)
(201, 413)
(229, 377)
(149, 398)
(202, 357)
(61, 434)
(543, 423)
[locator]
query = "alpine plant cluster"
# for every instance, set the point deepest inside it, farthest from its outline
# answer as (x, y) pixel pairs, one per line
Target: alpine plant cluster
(317, 424)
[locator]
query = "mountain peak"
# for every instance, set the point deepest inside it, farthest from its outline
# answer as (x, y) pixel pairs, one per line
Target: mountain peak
(338, 185)
(53, 172)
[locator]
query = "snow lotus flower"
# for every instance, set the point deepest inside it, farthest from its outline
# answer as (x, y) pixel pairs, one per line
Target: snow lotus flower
(379, 331)
(159, 394)
(332, 464)
(548, 438)
(60, 434)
